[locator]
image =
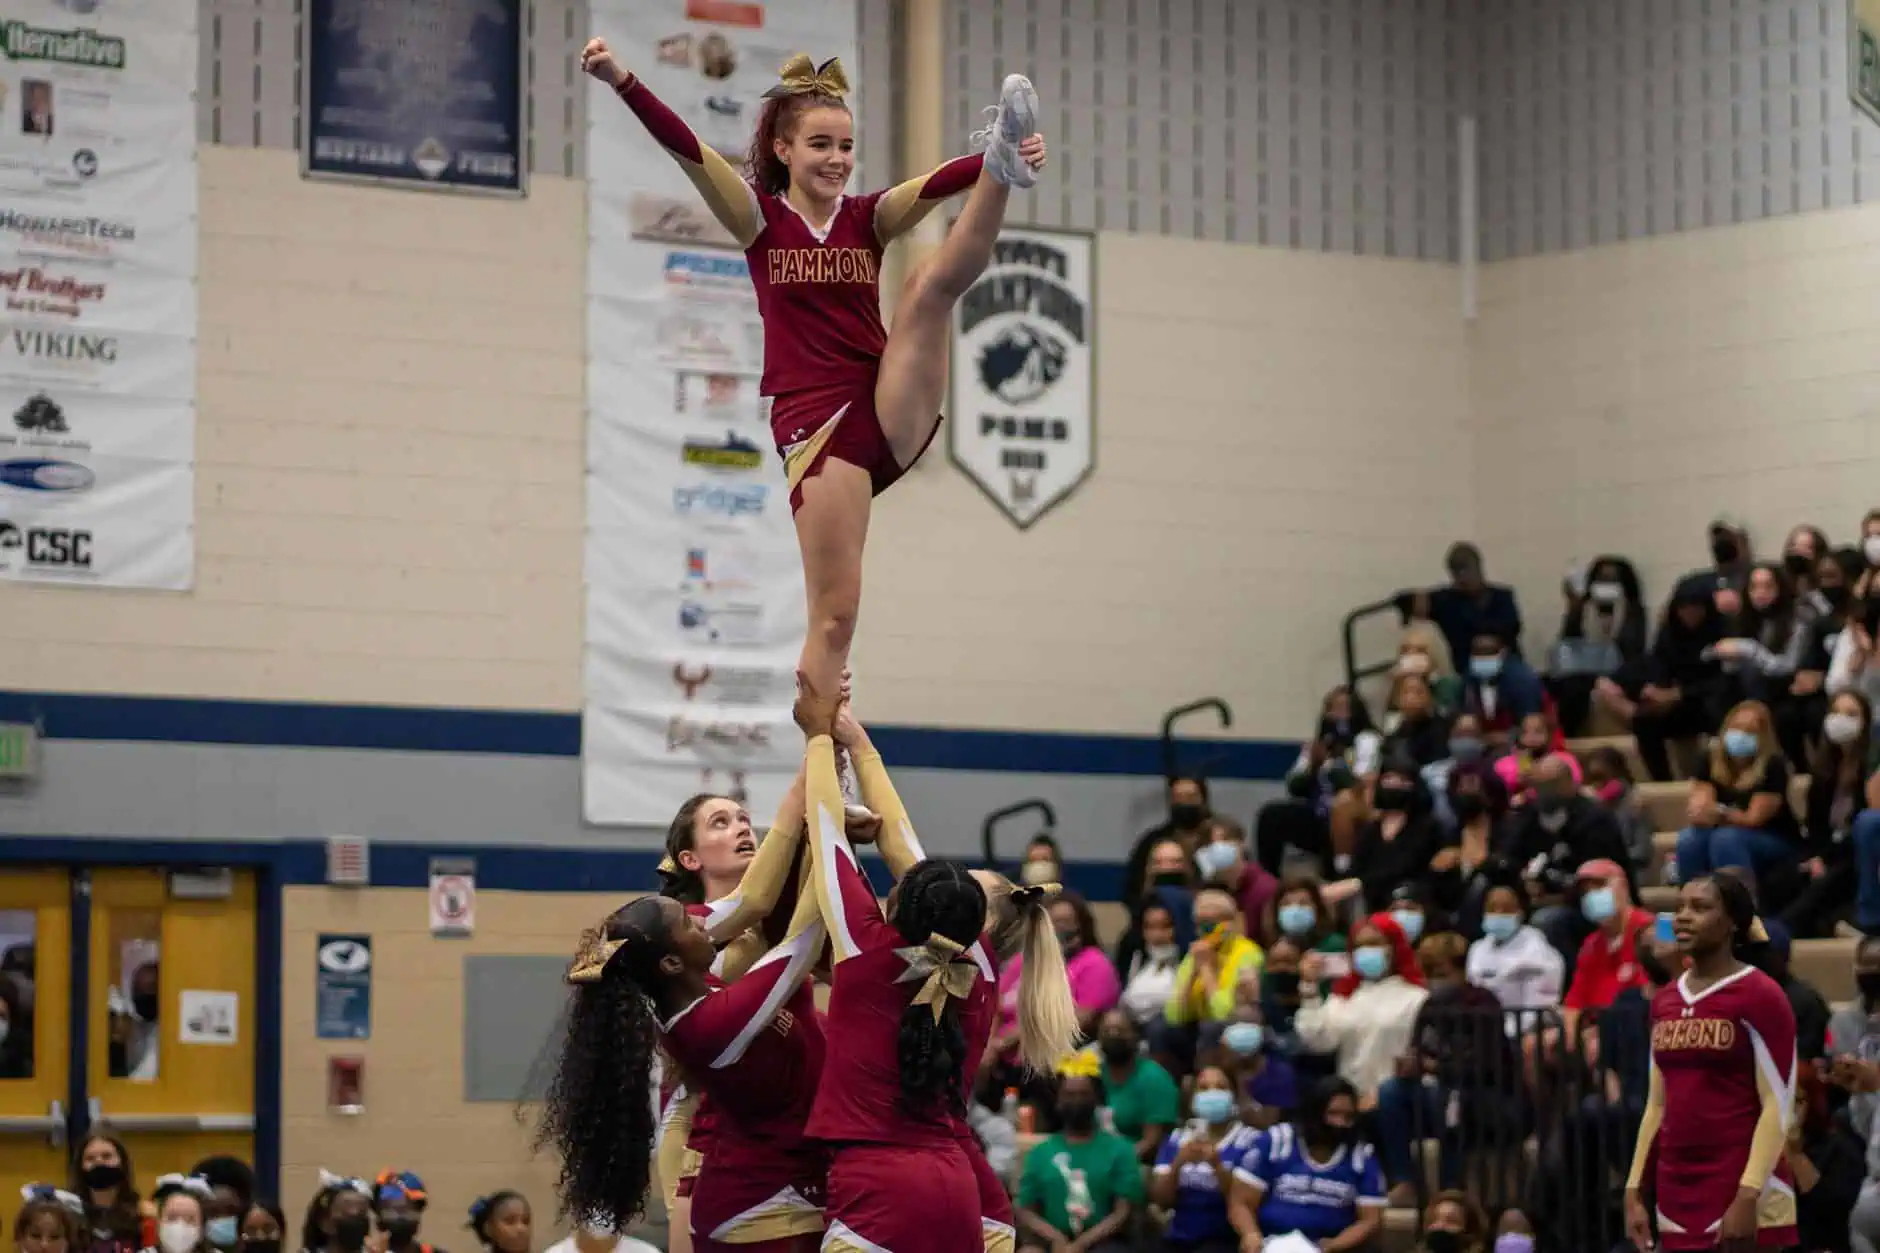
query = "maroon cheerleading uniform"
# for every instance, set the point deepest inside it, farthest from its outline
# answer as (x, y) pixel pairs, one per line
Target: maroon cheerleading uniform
(755, 1048)
(818, 293)
(1725, 1065)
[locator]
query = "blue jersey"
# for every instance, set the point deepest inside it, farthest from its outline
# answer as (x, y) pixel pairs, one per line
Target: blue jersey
(1317, 1200)
(1200, 1211)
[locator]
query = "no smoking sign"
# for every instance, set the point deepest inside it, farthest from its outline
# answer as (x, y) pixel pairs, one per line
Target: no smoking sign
(453, 896)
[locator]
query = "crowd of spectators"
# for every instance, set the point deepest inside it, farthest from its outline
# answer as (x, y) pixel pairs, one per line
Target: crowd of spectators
(1424, 981)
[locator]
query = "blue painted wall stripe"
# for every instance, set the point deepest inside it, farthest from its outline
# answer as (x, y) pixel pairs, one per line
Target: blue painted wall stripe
(75, 716)
(300, 863)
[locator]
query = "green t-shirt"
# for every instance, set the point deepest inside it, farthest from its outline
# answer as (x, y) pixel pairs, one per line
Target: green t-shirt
(1074, 1186)
(1148, 1096)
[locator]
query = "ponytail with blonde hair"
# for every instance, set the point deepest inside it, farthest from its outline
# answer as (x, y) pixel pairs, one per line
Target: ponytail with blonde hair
(1047, 1016)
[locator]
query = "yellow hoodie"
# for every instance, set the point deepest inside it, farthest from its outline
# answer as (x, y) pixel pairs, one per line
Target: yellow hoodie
(1199, 999)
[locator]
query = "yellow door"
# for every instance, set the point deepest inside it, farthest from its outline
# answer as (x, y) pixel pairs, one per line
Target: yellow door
(35, 1056)
(172, 1019)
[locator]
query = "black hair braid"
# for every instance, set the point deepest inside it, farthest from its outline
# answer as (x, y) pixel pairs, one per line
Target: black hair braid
(935, 898)
(598, 1110)
(1739, 903)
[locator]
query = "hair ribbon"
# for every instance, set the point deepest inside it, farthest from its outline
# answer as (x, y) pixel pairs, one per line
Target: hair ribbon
(1035, 894)
(58, 1196)
(195, 1185)
(947, 973)
(590, 960)
(1082, 1064)
(802, 77)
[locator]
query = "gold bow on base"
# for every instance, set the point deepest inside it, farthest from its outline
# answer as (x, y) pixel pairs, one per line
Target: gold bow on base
(803, 77)
(590, 960)
(948, 971)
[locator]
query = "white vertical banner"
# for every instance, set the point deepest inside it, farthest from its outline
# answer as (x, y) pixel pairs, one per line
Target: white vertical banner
(694, 583)
(98, 256)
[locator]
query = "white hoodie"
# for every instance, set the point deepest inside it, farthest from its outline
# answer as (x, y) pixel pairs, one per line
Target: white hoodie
(1369, 1030)
(1526, 972)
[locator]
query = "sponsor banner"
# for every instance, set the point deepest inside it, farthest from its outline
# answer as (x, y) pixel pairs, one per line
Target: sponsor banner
(101, 545)
(98, 307)
(78, 296)
(1022, 419)
(41, 353)
(694, 584)
(421, 94)
(637, 763)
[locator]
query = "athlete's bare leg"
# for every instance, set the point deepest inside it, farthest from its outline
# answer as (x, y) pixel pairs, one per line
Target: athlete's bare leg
(679, 1225)
(831, 526)
(911, 386)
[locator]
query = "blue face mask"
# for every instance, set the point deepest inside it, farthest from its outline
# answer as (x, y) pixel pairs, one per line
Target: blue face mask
(1297, 919)
(1485, 668)
(1465, 749)
(1213, 859)
(222, 1232)
(1500, 926)
(1598, 904)
(1371, 963)
(1740, 744)
(1214, 1106)
(1243, 1038)
(1411, 922)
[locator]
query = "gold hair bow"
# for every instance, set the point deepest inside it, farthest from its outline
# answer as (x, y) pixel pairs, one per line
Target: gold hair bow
(803, 77)
(1082, 1064)
(668, 866)
(591, 959)
(1758, 934)
(947, 970)
(1036, 894)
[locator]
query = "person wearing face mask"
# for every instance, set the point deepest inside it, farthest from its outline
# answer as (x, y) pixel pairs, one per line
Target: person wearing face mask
(1171, 888)
(1536, 739)
(261, 1228)
(1316, 1177)
(1469, 606)
(1730, 554)
(1453, 1223)
(1805, 546)
(1194, 1172)
(1187, 823)
(1223, 862)
(1837, 575)
(1514, 960)
(1044, 861)
(1367, 1021)
(1264, 1078)
(1218, 962)
(1300, 914)
(1608, 783)
(1397, 846)
(181, 1201)
(1501, 689)
(232, 1191)
(1549, 839)
(1279, 989)
(1608, 961)
(1315, 819)
(1466, 750)
(1843, 770)
(1601, 633)
(1422, 650)
(1079, 1187)
(1461, 869)
(1144, 1101)
(398, 1202)
(338, 1217)
(1852, 666)
(102, 1176)
(1149, 978)
(1679, 688)
(1739, 811)
(1409, 912)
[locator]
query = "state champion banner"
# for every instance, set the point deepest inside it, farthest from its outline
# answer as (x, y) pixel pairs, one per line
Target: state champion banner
(98, 302)
(694, 584)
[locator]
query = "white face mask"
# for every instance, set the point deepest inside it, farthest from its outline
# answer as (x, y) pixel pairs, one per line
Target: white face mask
(1871, 547)
(1839, 728)
(1036, 872)
(1162, 954)
(178, 1236)
(1606, 593)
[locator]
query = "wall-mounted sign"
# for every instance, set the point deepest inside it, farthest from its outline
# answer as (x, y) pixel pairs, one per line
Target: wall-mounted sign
(342, 987)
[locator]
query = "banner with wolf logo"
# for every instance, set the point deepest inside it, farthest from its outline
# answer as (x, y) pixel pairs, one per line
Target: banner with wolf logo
(694, 583)
(98, 259)
(1023, 414)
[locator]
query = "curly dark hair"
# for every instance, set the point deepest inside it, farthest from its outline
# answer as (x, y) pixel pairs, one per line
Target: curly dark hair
(598, 1112)
(777, 120)
(934, 898)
